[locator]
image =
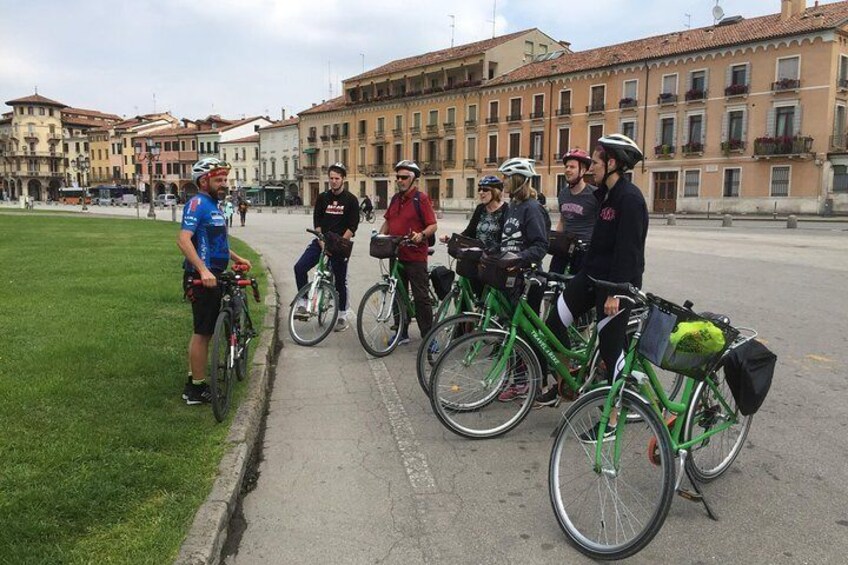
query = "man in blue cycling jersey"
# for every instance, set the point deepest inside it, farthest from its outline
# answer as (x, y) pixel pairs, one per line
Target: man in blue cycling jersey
(203, 241)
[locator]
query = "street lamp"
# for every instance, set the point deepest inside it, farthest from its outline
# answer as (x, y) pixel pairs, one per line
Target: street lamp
(151, 154)
(82, 164)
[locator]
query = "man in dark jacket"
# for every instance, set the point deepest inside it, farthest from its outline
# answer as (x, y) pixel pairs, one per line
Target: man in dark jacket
(336, 211)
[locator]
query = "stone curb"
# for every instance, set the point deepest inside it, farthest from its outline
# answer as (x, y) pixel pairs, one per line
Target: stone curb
(208, 532)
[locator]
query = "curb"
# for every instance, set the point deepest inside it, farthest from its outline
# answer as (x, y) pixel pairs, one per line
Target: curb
(208, 533)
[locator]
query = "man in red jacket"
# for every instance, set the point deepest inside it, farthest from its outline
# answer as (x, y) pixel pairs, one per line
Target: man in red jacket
(410, 213)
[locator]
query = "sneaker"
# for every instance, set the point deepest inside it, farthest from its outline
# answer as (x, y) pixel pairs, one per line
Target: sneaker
(513, 392)
(197, 394)
(300, 312)
(433, 350)
(591, 436)
(341, 325)
(404, 339)
(548, 398)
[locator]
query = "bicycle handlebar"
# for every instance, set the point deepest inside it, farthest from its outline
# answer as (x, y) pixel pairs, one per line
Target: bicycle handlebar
(316, 233)
(232, 278)
(556, 277)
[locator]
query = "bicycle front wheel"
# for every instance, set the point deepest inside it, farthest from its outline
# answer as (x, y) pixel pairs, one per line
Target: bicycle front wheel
(313, 322)
(610, 505)
(710, 458)
(221, 365)
(479, 389)
(380, 320)
(245, 333)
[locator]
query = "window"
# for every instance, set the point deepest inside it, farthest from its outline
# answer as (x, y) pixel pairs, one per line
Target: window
(472, 113)
(362, 127)
(471, 148)
(698, 81)
(381, 125)
(515, 109)
(398, 153)
(399, 122)
(536, 138)
(629, 92)
(538, 106)
(669, 84)
(780, 180)
(449, 188)
(564, 140)
(561, 183)
(691, 183)
(788, 68)
(493, 149)
(666, 137)
(628, 128)
(493, 110)
(731, 182)
(416, 151)
(469, 188)
(41, 112)
(515, 144)
(528, 51)
(450, 153)
(840, 178)
(843, 71)
(416, 120)
(362, 155)
(695, 132)
(433, 118)
(596, 131)
(598, 93)
(839, 127)
(784, 121)
(738, 75)
(362, 188)
(735, 125)
(565, 102)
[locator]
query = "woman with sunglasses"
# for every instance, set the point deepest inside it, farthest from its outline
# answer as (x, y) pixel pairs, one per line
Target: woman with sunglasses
(488, 219)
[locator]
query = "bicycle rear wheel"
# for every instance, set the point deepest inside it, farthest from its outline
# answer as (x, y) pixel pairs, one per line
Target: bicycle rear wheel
(221, 365)
(612, 509)
(438, 339)
(322, 311)
(710, 458)
(471, 398)
(380, 320)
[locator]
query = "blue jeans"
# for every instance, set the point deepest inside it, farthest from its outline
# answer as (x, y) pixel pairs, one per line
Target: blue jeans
(309, 259)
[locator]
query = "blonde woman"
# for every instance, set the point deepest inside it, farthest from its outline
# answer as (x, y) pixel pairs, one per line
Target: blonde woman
(489, 216)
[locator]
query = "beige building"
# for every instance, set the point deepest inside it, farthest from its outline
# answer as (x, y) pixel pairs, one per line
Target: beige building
(744, 116)
(243, 155)
(279, 160)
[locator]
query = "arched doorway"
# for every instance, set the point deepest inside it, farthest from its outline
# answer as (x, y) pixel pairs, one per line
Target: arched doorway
(172, 189)
(53, 190)
(189, 190)
(34, 189)
(160, 188)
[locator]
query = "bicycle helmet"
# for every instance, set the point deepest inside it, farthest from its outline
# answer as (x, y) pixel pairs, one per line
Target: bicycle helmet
(518, 166)
(577, 155)
(491, 181)
(623, 149)
(409, 166)
(339, 168)
(207, 166)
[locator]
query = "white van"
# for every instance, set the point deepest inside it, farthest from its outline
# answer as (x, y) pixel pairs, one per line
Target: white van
(166, 200)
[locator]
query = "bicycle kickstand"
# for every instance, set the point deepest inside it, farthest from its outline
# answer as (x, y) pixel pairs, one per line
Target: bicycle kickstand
(697, 495)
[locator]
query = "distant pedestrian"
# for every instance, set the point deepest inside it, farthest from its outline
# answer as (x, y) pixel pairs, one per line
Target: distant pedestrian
(242, 210)
(229, 211)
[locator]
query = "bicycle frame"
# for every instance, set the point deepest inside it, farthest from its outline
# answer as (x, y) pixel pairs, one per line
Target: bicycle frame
(321, 274)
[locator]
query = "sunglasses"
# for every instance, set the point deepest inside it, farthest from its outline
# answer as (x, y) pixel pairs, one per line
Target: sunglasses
(402, 177)
(484, 189)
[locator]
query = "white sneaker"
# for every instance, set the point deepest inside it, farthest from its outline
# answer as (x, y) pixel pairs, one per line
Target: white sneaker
(341, 325)
(300, 309)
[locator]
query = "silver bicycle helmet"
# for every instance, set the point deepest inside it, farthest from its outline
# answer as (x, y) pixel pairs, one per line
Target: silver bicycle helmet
(339, 168)
(206, 166)
(518, 166)
(409, 166)
(623, 149)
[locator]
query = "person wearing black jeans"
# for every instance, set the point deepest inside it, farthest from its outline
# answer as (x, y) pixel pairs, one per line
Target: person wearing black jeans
(336, 211)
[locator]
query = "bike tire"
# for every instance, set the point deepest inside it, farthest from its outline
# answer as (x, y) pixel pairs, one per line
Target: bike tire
(245, 334)
(641, 491)
(322, 314)
(380, 337)
(221, 366)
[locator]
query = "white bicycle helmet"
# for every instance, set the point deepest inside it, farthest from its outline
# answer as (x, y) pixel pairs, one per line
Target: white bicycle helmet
(623, 149)
(518, 166)
(339, 168)
(409, 166)
(206, 166)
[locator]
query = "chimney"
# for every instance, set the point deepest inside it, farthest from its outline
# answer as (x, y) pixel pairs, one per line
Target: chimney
(283, 114)
(789, 8)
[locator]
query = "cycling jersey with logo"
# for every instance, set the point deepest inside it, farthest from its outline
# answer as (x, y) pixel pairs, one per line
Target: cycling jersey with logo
(202, 217)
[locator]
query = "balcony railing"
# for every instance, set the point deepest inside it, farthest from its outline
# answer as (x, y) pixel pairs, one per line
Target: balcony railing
(733, 146)
(842, 83)
(692, 148)
(492, 120)
(431, 167)
(563, 111)
(470, 163)
(839, 142)
(310, 172)
(537, 115)
(361, 169)
(785, 84)
(513, 118)
(494, 160)
(666, 98)
(397, 132)
(736, 90)
(449, 163)
(538, 157)
(449, 126)
(361, 136)
(311, 139)
(380, 134)
(470, 124)
(432, 128)
(595, 108)
(695, 95)
(415, 130)
(325, 138)
(625, 103)
(334, 137)
(798, 145)
(664, 151)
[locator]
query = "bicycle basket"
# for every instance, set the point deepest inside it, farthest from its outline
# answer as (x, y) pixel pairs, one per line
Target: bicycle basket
(384, 247)
(677, 339)
(338, 246)
(562, 244)
(459, 241)
(442, 280)
(499, 272)
(468, 261)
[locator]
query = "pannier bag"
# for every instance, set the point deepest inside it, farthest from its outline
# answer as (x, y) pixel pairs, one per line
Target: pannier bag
(384, 247)
(442, 280)
(338, 246)
(459, 241)
(749, 370)
(677, 339)
(562, 244)
(468, 262)
(499, 272)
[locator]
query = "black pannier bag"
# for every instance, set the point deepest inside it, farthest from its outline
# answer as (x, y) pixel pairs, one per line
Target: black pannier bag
(459, 241)
(562, 244)
(749, 370)
(384, 247)
(337, 246)
(499, 271)
(442, 280)
(468, 262)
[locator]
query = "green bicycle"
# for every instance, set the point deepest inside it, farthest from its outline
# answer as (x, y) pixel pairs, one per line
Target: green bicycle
(612, 496)
(315, 308)
(386, 308)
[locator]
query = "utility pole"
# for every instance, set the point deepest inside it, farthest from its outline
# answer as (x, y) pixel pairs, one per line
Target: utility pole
(363, 61)
(453, 26)
(494, 16)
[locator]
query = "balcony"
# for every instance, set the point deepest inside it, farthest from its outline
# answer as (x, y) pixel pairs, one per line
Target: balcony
(492, 120)
(786, 85)
(664, 151)
(415, 130)
(397, 132)
(595, 108)
(325, 138)
(732, 146)
(627, 103)
(334, 137)
(513, 118)
(432, 129)
(378, 170)
(538, 157)
(311, 139)
(692, 148)
(471, 124)
(361, 169)
(310, 172)
(380, 135)
(838, 142)
(666, 99)
(31, 136)
(449, 126)
(361, 136)
(431, 167)
(537, 115)
(563, 111)
(783, 146)
(695, 95)
(736, 90)
(493, 161)
(449, 164)
(470, 163)
(842, 84)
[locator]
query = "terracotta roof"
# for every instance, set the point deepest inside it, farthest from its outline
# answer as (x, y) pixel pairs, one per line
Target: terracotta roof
(35, 99)
(441, 56)
(86, 122)
(327, 106)
(827, 16)
(173, 132)
(281, 124)
(91, 113)
(249, 139)
(242, 122)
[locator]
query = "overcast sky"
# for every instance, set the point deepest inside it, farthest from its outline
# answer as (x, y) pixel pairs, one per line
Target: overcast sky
(249, 57)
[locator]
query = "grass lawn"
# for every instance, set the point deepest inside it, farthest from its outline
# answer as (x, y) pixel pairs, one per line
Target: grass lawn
(100, 459)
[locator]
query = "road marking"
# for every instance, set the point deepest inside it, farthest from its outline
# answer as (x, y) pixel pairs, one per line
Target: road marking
(414, 460)
(819, 358)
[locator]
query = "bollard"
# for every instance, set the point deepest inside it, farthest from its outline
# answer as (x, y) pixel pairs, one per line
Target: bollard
(274, 210)
(174, 213)
(727, 221)
(439, 214)
(258, 209)
(792, 222)
(671, 220)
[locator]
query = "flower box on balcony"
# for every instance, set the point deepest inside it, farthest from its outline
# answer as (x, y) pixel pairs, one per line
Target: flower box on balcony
(732, 146)
(783, 145)
(693, 148)
(663, 151)
(786, 84)
(667, 98)
(736, 90)
(627, 103)
(695, 94)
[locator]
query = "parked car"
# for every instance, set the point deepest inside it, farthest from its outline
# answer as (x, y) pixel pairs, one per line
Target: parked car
(166, 200)
(104, 201)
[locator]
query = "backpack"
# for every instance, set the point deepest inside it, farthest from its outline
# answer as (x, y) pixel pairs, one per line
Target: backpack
(416, 200)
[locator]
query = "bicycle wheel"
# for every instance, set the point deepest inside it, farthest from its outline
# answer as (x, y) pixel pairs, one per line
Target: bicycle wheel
(710, 458)
(379, 320)
(438, 339)
(614, 509)
(245, 334)
(470, 399)
(448, 306)
(322, 311)
(221, 365)
(370, 217)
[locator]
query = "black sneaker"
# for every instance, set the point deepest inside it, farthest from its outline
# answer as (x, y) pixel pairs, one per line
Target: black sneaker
(197, 394)
(548, 398)
(591, 436)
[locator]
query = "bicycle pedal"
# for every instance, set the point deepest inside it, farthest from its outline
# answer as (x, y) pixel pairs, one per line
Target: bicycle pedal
(689, 495)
